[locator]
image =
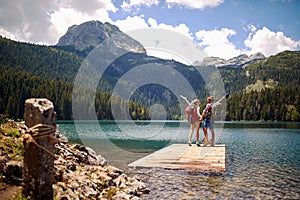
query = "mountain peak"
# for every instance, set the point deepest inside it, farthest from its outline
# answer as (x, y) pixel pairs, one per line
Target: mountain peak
(257, 55)
(90, 34)
(238, 61)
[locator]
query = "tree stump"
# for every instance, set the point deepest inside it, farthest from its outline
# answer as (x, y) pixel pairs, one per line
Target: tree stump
(38, 170)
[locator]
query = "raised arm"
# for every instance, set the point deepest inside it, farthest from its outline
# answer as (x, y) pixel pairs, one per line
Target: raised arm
(186, 100)
(220, 100)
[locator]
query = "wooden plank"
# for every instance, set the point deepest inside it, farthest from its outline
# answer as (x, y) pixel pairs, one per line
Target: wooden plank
(184, 157)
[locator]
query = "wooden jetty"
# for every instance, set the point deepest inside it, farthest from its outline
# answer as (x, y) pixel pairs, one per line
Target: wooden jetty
(184, 157)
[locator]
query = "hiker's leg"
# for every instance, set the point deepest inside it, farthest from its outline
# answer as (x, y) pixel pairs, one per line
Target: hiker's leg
(205, 125)
(197, 133)
(205, 140)
(212, 130)
(192, 127)
(212, 143)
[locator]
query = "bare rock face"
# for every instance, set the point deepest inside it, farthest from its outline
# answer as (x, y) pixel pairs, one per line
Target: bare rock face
(88, 35)
(239, 61)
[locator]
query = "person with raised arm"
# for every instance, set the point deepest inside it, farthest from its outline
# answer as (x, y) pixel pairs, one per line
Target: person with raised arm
(208, 117)
(194, 118)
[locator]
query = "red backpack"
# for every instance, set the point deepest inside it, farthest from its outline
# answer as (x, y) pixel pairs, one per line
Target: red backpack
(208, 111)
(191, 112)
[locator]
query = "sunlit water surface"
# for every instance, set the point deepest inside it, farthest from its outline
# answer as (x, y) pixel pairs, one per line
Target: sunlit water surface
(262, 159)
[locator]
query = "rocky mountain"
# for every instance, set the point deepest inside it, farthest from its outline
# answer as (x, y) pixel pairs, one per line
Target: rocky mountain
(45, 71)
(239, 61)
(88, 35)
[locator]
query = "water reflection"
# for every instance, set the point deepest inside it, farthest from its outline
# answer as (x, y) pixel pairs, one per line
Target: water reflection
(262, 159)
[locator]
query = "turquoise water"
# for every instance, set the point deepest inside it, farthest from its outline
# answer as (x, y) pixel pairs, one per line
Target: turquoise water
(262, 159)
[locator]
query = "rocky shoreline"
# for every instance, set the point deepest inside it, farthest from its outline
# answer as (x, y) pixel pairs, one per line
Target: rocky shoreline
(79, 172)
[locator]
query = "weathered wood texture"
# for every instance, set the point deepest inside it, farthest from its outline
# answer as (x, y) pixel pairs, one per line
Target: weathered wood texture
(38, 170)
(183, 157)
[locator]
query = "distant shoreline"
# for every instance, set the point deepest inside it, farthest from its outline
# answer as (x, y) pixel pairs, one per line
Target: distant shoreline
(227, 124)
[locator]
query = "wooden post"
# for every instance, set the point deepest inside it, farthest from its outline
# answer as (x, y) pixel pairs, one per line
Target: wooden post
(38, 170)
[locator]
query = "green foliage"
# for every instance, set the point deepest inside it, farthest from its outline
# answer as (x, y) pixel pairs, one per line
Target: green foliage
(43, 61)
(12, 132)
(28, 70)
(16, 87)
(283, 68)
(20, 196)
(11, 142)
(279, 104)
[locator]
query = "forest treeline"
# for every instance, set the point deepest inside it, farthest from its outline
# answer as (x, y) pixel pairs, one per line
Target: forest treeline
(279, 104)
(17, 86)
(29, 70)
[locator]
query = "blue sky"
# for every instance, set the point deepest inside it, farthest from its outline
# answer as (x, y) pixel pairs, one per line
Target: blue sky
(221, 28)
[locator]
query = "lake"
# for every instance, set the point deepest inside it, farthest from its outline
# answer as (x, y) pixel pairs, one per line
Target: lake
(262, 158)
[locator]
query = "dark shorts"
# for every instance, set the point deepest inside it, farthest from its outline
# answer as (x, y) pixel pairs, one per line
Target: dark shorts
(208, 123)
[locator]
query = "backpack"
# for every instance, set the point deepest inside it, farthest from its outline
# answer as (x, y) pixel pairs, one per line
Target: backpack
(208, 111)
(191, 112)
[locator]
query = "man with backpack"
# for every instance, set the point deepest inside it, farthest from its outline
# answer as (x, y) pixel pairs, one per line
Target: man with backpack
(194, 118)
(209, 121)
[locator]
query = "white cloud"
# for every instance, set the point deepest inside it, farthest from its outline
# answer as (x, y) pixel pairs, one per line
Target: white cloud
(131, 23)
(216, 43)
(129, 5)
(136, 4)
(195, 4)
(159, 38)
(252, 28)
(269, 42)
(27, 21)
(90, 8)
(7, 34)
(45, 21)
(181, 28)
(138, 22)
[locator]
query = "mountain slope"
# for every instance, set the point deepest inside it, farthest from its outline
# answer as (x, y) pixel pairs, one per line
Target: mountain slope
(283, 68)
(238, 61)
(43, 61)
(54, 68)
